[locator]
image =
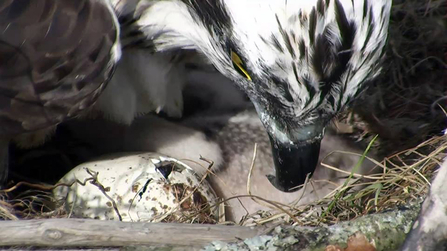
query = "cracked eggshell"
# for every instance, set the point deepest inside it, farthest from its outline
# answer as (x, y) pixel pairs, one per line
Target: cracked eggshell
(144, 187)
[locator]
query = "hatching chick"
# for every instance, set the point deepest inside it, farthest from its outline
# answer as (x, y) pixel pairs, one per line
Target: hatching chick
(237, 136)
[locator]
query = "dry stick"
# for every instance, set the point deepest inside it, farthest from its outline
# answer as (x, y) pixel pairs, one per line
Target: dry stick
(271, 202)
(96, 183)
(42, 186)
(99, 234)
(252, 165)
(377, 163)
(308, 209)
(250, 172)
(267, 201)
(304, 187)
(356, 175)
(32, 185)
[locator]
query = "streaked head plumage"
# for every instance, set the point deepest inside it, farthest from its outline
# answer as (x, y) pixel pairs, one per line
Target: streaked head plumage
(300, 62)
(304, 59)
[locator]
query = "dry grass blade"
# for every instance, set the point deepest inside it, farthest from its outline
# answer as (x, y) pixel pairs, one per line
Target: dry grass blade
(345, 187)
(404, 180)
(404, 183)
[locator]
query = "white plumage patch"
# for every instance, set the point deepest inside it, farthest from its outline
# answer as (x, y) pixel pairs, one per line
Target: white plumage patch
(143, 82)
(252, 29)
(171, 25)
(271, 35)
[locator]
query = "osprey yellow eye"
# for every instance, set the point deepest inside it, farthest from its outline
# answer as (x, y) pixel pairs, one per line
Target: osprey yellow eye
(239, 65)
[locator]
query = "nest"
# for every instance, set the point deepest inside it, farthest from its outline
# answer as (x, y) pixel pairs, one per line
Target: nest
(405, 107)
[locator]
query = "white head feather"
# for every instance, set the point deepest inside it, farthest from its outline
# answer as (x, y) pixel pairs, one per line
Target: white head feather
(307, 59)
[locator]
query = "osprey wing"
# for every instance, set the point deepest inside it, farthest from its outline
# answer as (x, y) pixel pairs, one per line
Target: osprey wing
(56, 57)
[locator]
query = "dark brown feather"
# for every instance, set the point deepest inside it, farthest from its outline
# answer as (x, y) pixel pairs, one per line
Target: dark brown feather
(55, 59)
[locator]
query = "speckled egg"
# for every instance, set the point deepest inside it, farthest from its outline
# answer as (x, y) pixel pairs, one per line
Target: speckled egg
(140, 187)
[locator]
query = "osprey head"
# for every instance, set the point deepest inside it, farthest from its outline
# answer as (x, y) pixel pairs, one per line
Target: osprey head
(300, 62)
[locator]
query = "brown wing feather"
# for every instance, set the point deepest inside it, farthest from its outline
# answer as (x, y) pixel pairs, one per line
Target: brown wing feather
(55, 59)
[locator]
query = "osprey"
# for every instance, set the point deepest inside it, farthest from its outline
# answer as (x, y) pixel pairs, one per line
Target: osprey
(56, 57)
(300, 62)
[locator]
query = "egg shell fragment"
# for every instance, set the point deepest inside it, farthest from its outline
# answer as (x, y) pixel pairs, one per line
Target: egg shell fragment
(144, 187)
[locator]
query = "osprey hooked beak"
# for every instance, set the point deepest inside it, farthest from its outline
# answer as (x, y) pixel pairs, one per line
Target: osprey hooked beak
(295, 152)
(293, 164)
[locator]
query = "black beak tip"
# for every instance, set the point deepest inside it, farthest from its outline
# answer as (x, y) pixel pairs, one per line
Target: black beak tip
(277, 184)
(293, 164)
